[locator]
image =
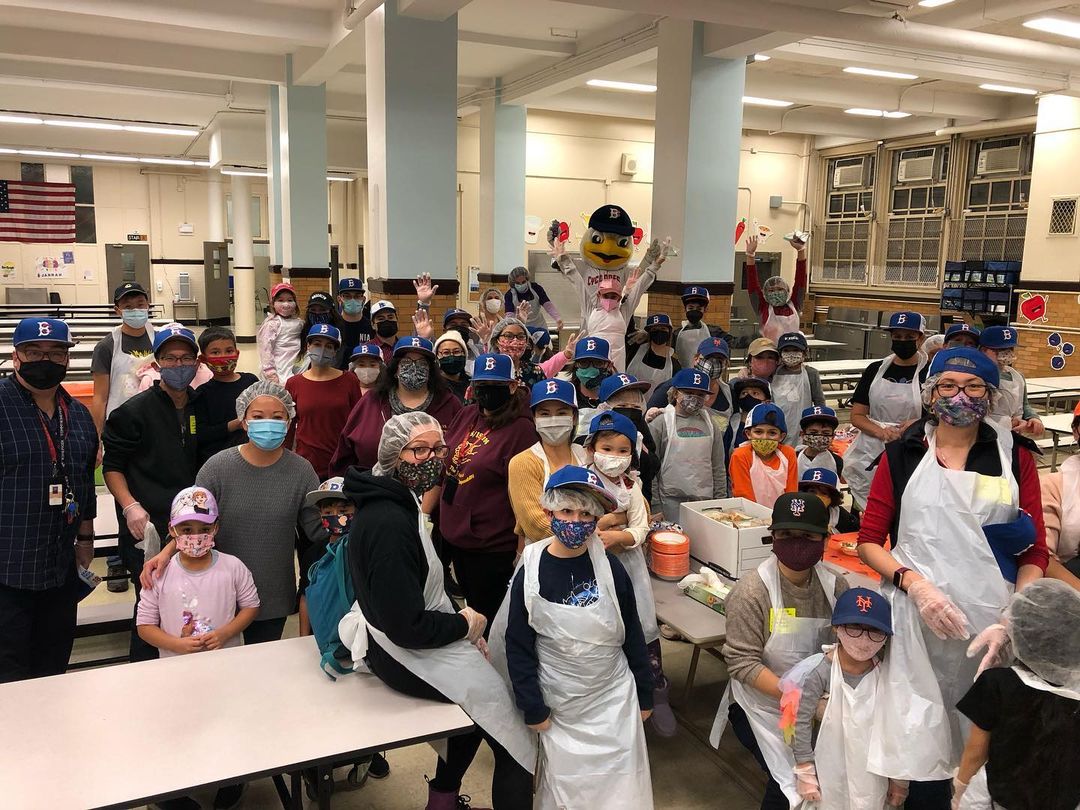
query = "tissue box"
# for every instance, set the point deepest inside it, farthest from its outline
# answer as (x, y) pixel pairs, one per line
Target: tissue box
(736, 550)
(709, 596)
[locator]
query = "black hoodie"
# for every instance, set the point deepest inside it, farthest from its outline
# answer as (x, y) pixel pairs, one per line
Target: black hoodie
(389, 569)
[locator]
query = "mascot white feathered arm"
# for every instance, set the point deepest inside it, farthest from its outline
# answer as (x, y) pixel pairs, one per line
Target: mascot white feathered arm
(644, 274)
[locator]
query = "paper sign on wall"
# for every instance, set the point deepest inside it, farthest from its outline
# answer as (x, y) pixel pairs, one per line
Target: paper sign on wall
(7, 270)
(50, 267)
(69, 257)
(533, 224)
(474, 278)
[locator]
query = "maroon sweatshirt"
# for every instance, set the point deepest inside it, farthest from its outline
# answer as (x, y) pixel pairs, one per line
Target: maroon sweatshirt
(358, 445)
(475, 511)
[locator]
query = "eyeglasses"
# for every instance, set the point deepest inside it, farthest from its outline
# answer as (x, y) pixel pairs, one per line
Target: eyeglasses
(424, 453)
(949, 389)
(55, 355)
(451, 353)
(177, 360)
(504, 338)
(852, 631)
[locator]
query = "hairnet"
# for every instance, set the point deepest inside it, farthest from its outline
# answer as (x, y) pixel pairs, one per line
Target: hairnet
(776, 282)
(567, 498)
(1044, 625)
(264, 388)
(498, 329)
(933, 343)
(489, 291)
(399, 431)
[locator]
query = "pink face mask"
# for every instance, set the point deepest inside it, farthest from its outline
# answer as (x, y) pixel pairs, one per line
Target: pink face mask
(286, 309)
(195, 545)
(861, 648)
(609, 304)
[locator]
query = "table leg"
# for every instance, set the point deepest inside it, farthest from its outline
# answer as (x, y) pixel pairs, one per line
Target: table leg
(289, 801)
(326, 782)
(691, 673)
(1053, 458)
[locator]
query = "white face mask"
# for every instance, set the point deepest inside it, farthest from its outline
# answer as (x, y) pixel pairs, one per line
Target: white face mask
(611, 465)
(367, 374)
(493, 305)
(554, 429)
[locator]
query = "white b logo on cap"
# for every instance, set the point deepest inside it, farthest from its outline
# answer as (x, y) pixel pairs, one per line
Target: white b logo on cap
(416, 341)
(552, 387)
(613, 213)
(697, 379)
(43, 328)
(489, 364)
(590, 345)
(901, 318)
(1007, 334)
(816, 476)
(624, 379)
(594, 480)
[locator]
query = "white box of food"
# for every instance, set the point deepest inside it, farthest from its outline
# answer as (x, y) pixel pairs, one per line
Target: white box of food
(737, 550)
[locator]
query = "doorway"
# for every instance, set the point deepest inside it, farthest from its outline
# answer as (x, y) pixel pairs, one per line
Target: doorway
(128, 263)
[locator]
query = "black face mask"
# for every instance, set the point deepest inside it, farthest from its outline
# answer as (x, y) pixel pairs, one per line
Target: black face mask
(452, 365)
(904, 349)
(386, 329)
(746, 402)
(659, 338)
(694, 315)
(42, 374)
(461, 330)
(491, 397)
(633, 414)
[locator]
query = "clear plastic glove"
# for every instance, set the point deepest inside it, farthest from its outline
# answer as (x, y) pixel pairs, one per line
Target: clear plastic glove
(136, 518)
(806, 782)
(995, 639)
(482, 646)
(652, 413)
(557, 245)
(477, 623)
(938, 612)
(898, 791)
(958, 788)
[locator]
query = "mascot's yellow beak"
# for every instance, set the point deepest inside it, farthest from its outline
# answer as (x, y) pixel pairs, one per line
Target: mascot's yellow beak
(607, 250)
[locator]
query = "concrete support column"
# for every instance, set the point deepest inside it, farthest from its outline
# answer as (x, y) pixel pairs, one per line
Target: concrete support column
(502, 186)
(215, 206)
(243, 267)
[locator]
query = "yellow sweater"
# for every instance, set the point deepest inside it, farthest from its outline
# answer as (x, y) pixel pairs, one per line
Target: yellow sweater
(526, 484)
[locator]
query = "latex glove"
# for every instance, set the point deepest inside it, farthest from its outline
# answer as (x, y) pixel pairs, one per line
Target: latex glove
(652, 413)
(806, 782)
(898, 791)
(938, 612)
(477, 623)
(482, 646)
(136, 518)
(958, 788)
(995, 639)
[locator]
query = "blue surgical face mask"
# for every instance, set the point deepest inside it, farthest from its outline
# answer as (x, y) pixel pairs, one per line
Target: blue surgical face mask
(352, 306)
(179, 377)
(522, 287)
(135, 318)
(267, 434)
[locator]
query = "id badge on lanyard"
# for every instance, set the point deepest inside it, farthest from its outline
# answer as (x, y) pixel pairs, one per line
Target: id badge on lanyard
(60, 493)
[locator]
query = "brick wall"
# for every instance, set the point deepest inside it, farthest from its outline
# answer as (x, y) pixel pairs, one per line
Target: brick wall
(719, 313)
(406, 306)
(1062, 316)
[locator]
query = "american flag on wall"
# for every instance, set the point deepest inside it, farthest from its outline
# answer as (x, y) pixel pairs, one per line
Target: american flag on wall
(37, 212)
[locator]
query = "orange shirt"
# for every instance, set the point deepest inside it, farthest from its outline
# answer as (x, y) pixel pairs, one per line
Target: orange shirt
(739, 470)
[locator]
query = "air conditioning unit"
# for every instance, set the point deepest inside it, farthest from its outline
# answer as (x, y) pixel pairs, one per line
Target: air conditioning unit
(849, 173)
(183, 285)
(629, 164)
(916, 165)
(1000, 159)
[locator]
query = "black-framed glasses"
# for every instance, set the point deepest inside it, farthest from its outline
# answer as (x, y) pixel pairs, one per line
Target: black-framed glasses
(55, 355)
(852, 631)
(424, 453)
(513, 338)
(185, 360)
(950, 389)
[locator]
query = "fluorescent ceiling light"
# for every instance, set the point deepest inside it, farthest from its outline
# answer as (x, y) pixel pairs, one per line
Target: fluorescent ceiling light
(896, 114)
(45, 153)
(5, 151)
(168, 161)
(882, 74)
(765, 102)
(760, 57)
(244, 172)
(1005, 88)
(115, 158)
(151, 130)
(934, 3)
(340, 178)
(1055, 25)
(82, 124)
(633, 87)
(877, 113)
(19, 119)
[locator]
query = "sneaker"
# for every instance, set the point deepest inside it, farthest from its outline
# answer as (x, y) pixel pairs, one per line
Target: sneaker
(117, 585)
(662, 718)
(670, 633)
(379, 767)
(229, 796)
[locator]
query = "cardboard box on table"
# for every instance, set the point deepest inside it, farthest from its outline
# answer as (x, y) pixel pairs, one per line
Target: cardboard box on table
(738, 551)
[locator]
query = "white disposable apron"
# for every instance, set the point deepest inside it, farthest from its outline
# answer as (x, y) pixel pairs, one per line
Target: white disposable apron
(287, 347)
(792, 393)
(1069, 536)
(840, 751)
(686, 344)
(611, 326)
(123, 381)
(644, 373)
(776, 325)
(457, 670)
(685, 466)
(536, 312)
(594, 753)
(918, 735)
(769, 484)
(891, 404)
(791, 640)
(1009, 402)
(823, 460)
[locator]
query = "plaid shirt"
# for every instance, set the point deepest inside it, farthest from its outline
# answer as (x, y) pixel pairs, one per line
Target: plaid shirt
(36, 541)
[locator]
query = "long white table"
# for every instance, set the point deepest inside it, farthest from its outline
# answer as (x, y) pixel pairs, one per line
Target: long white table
(1058, 425)
(198, 721)
(697, 623)
(842, 366)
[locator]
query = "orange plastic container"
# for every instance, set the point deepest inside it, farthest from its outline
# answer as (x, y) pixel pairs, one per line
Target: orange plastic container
(669, 554)
(82, 391)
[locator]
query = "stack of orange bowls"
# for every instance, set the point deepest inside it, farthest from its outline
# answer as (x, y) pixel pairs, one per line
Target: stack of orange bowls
(669, 554)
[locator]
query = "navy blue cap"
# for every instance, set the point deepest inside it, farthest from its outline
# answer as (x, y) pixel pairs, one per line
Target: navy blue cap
(659, 319)
(966, 361)
(454, 312)
(818, 413)
(29, 330)
(998, 337)
(616, 422)
(541, 337)
(325, 330)
(128, 288)
(367, 350)
(350, 285)
(712, 346)
(863, 606)
(959, 329)
(741, 383)
(167, 333)
(413, 344)
(612, 219)
(493, 368)
(592, 348)
(759, 415)
(792, 340)
(819, 476)
(695, 293)
(621, 382)
(690, 380)
(571, 477)
(907, 320)
(553, 390)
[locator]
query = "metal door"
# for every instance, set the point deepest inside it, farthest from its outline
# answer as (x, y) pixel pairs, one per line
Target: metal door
(216, 282)
(126, 262)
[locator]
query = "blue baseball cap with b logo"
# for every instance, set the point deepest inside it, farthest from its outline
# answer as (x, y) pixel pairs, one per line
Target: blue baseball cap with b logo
(350, 285)
(819, 477)
(493, 368)
(912, 321)
(325, 330)
(998, 337)
(553, 390)
(572, 477)
(695, 294)
(367, 350)
(690, 380)
(413, 344)
(621, 382)
(818, 413)
(592, 348)
(659, 319)
(174, 332)
(32, 330)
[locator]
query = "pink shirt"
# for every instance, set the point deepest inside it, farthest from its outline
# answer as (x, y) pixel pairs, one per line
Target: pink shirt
(210, 597)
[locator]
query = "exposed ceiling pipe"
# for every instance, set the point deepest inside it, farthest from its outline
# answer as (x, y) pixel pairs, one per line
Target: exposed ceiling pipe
(802, 22)
(989, 126)
(988, 12)
(360, 11)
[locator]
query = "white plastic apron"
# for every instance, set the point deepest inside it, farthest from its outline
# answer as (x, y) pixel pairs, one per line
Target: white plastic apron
(123, 381)
(823, 460)
(769, 484)
(611, 326)
(1009, 403)
(536, 312)
(942, 512)
(458, 670)
(1069, 536)
(594, 753)
(791, 640)
(576, 451)
(686, 344)
(891, 404)
(792, 393)
(286, 348)
(686, 466)
(776, 325)
(840, 751)
(644, 373)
